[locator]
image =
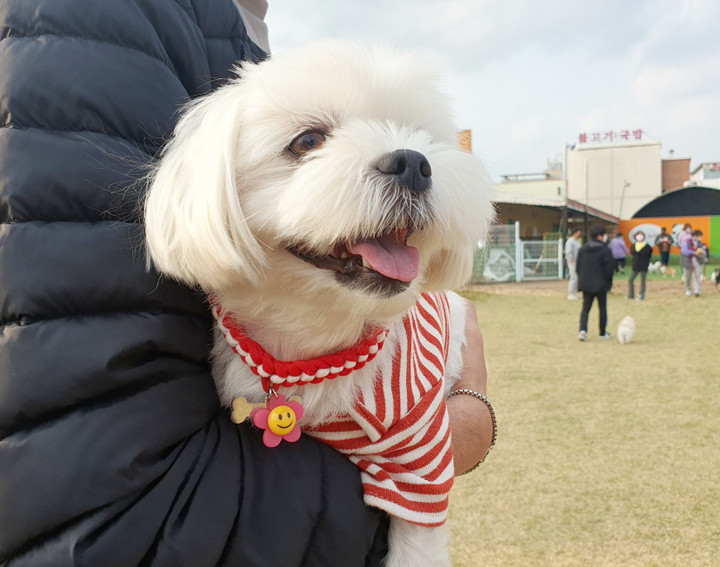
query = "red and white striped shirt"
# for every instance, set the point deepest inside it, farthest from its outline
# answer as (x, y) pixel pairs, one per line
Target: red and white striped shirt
(398, 432)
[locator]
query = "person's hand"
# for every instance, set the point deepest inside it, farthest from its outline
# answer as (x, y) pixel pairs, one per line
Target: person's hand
(470, 420)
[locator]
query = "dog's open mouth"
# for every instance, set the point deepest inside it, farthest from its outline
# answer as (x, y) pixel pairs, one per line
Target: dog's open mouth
(383, 265)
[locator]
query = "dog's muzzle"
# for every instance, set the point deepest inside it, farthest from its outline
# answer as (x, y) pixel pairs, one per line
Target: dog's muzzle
(383, 264)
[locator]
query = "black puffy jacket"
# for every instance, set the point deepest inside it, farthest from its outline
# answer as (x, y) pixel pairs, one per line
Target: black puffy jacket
(641, 257)
(113, 448)
(595, 267)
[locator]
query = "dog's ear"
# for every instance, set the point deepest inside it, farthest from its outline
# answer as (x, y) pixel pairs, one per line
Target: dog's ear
(195, 230)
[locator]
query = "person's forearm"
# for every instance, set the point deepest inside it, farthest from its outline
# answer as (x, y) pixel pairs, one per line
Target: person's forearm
(470, 420)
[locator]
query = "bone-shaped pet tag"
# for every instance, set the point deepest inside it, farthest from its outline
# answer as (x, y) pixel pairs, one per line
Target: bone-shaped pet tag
(242, 409)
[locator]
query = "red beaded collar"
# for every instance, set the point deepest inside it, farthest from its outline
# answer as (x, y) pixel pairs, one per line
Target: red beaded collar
(275, 372)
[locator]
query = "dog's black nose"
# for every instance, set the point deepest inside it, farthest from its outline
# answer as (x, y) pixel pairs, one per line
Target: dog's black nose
(410, 169)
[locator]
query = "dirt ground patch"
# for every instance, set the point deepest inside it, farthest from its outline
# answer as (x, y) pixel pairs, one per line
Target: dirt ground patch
(660, 286)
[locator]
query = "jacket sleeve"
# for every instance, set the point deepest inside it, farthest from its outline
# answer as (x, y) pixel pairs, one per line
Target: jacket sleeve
(113, 448)
(686, 248)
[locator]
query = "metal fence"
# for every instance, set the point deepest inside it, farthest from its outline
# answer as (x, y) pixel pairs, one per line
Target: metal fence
(504, 257)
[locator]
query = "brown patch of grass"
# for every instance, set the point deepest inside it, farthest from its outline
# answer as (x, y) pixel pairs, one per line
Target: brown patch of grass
(608, 454)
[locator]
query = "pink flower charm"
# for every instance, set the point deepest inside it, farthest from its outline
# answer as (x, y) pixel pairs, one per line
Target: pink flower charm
(279, 419)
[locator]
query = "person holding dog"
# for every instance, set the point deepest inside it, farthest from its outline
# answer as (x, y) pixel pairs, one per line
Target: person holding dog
(595, 266)
(664, 245)
(691, 266)
(641, 254)
(685, 234)
(114, 447)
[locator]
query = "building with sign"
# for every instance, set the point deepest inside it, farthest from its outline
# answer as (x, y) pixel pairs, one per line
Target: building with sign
(617, 177)
(606, 177)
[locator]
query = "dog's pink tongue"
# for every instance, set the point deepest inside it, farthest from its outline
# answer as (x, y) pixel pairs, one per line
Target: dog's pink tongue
(389, 257)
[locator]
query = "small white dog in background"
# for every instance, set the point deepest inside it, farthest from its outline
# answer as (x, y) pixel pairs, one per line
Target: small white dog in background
(626, 330)
(321, 199)
(655, 267)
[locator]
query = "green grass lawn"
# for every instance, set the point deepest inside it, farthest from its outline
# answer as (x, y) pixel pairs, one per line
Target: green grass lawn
(608, 454)
(713, 263)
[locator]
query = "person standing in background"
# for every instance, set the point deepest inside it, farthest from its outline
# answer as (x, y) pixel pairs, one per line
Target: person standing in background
(688, 262)
(619, 251)
(702, 253)
(595, 269)
(641, 253)
(664, 244)
(572, 247)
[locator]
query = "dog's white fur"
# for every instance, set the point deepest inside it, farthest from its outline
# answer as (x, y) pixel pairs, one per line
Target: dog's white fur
(655, 267)
(228, 198)
(626, 330)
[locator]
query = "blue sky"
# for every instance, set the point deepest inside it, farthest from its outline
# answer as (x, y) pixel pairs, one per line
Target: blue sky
(528, 76)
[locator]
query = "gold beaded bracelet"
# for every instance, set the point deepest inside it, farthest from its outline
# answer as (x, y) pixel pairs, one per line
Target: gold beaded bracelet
(484, 400)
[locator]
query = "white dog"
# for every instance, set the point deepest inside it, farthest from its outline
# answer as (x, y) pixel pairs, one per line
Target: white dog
(626, 330)
(319, 199)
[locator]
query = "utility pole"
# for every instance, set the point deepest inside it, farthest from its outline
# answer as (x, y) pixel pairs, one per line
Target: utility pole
(626, 184)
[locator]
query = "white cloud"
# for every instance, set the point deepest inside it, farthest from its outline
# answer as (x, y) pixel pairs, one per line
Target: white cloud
(528, 76)
(671, 83)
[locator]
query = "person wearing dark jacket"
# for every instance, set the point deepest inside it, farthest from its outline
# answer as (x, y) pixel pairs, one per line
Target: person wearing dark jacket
(664, 244)
(641, 253)
(595, 265)
(114, 450)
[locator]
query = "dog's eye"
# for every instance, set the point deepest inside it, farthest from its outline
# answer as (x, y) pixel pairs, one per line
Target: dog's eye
(306, 142)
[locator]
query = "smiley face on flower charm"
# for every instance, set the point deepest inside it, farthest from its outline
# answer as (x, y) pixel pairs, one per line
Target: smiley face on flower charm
(279, 419)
